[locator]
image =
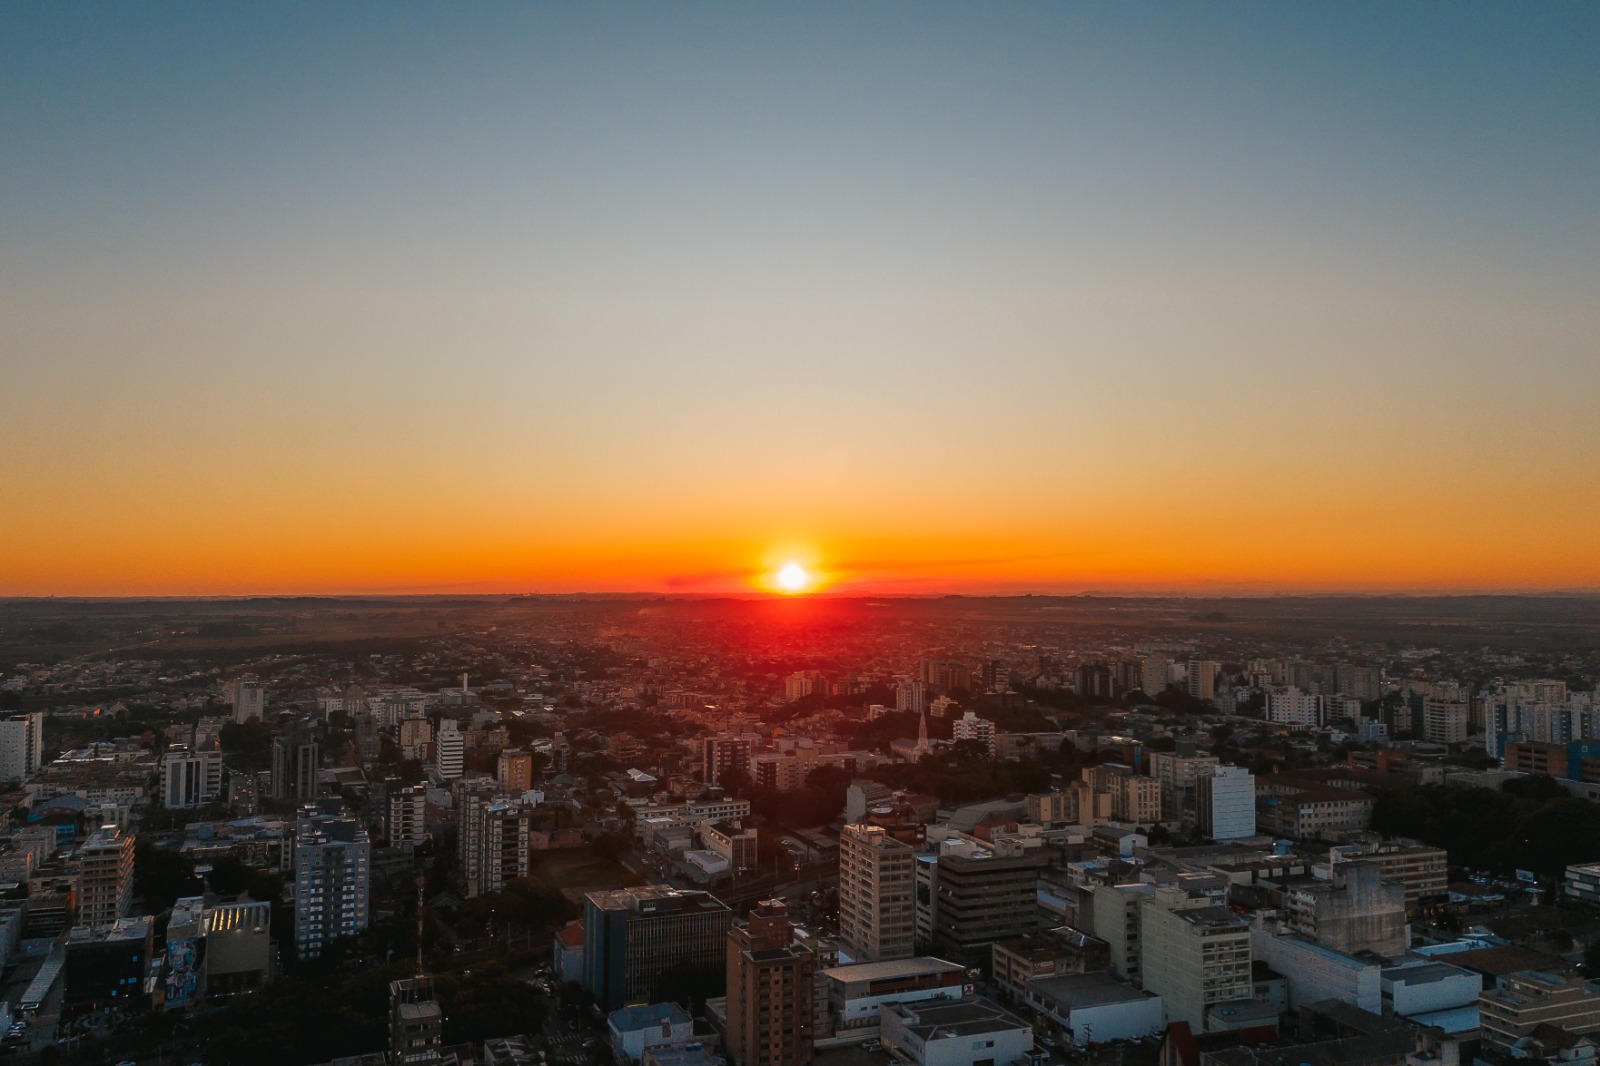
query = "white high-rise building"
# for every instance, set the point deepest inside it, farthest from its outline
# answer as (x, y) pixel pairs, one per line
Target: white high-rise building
(970, 727)
(21, 746)
(1153, 675)
(1290, 706)
(449, 749)
(249, 700)
(1226, 803)
(190, 778)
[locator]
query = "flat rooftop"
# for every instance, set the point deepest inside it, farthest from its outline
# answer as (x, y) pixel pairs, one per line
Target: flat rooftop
(890, 969)
(1074, 991)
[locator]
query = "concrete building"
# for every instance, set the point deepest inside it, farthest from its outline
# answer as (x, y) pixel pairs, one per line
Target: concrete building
(1582, 882)
(1356, 910)
(1193, 955)
(736, 844)
(1428, 991)
(406, 812)
(296, 758)
(416, 1023)
(972, 1032)
(1446, 719)
(632, 935)
(1134, 797)
(105, 877)
(722, 753)
(771, 990)
(856, 992)
(1095, 1007)
(1062, 950)
(21, 746)
(637, 1029)
(332, 878)
(190, 778)
(1112, 915)
(416, 737)
(1225, 803)
(1202, 677)
(1423, 870)
(970, 727)
(514, 771)
(1316, 973)
(249, 699)
(108, 964)
(449, 750)
(877, 905)
(238, 947)
(1178, 775)
(980, 894)
(1524, 1001)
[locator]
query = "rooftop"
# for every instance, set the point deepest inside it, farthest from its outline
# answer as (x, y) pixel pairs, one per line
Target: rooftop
(1074, 991)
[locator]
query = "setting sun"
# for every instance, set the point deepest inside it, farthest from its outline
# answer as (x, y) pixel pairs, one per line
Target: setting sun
(793, 578)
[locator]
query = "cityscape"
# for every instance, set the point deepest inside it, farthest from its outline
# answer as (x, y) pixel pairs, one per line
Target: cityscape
(896, 534)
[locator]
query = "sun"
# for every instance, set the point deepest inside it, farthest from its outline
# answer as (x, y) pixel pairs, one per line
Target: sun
(793, 578)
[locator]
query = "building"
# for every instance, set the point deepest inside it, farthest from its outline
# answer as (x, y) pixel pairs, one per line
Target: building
(332, 879)
(1446, 719)
(105, 877)
(1423, 870)
(108, 964)
(295, 760)
(405, 823)
(640, 1028)
(514, 771)
(21, 746)
(1356, 909)
(1134, 797)
(449, 750)
(416, 1023)
(249, 700)
(982, 894)
(1287, 705)
(722, 753)
(877, 904)
(1582, 882)
(190, 778)
(734, 843)
(1178, 775)
(1316, 973)
(1225, 803)
(1095, 1007)
(1062, 950)
(1202, 678)
(970, 727)
(505, 844)
(771, 991)
(1193, 955)
(855, 992)
(972, 1032)
(1112, 914)
(416, 737)
(238, 947)
(633, 935)
(1522, 1002)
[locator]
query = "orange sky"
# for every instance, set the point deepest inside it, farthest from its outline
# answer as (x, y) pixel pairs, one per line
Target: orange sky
(1050, 298)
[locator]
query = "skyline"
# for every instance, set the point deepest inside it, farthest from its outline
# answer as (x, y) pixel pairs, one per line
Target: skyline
(924, 298)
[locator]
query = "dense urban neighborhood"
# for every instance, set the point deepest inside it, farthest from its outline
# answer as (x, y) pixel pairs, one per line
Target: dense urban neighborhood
(776, 832)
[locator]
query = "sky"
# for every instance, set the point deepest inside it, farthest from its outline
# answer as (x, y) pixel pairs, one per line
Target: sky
(927, 297)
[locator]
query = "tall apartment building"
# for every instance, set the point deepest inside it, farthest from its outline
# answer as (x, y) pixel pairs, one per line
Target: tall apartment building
(1521, 1002)
(470, 796)
(249, 699)
(1288, 705)
(1153, 675)
(1177, 774)
(877, 901)
(1225, 803)
(1202, 678)
(911, 696)
(106, 877)
(406, 813)
(633, 935)
(1112, 915)
(21, 746)
(514, 770)
(970, 727)
(505, 846)
(1445, 719)
(296, 758)
(1365, 683)
(332, 878)
(1134, 797)
(1356, 910)
(1193, 955)
(449, 749)
(982, 894)
(1423, 870)
(722, 753)
(416, 735)
(771, 991)
(190, 778)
